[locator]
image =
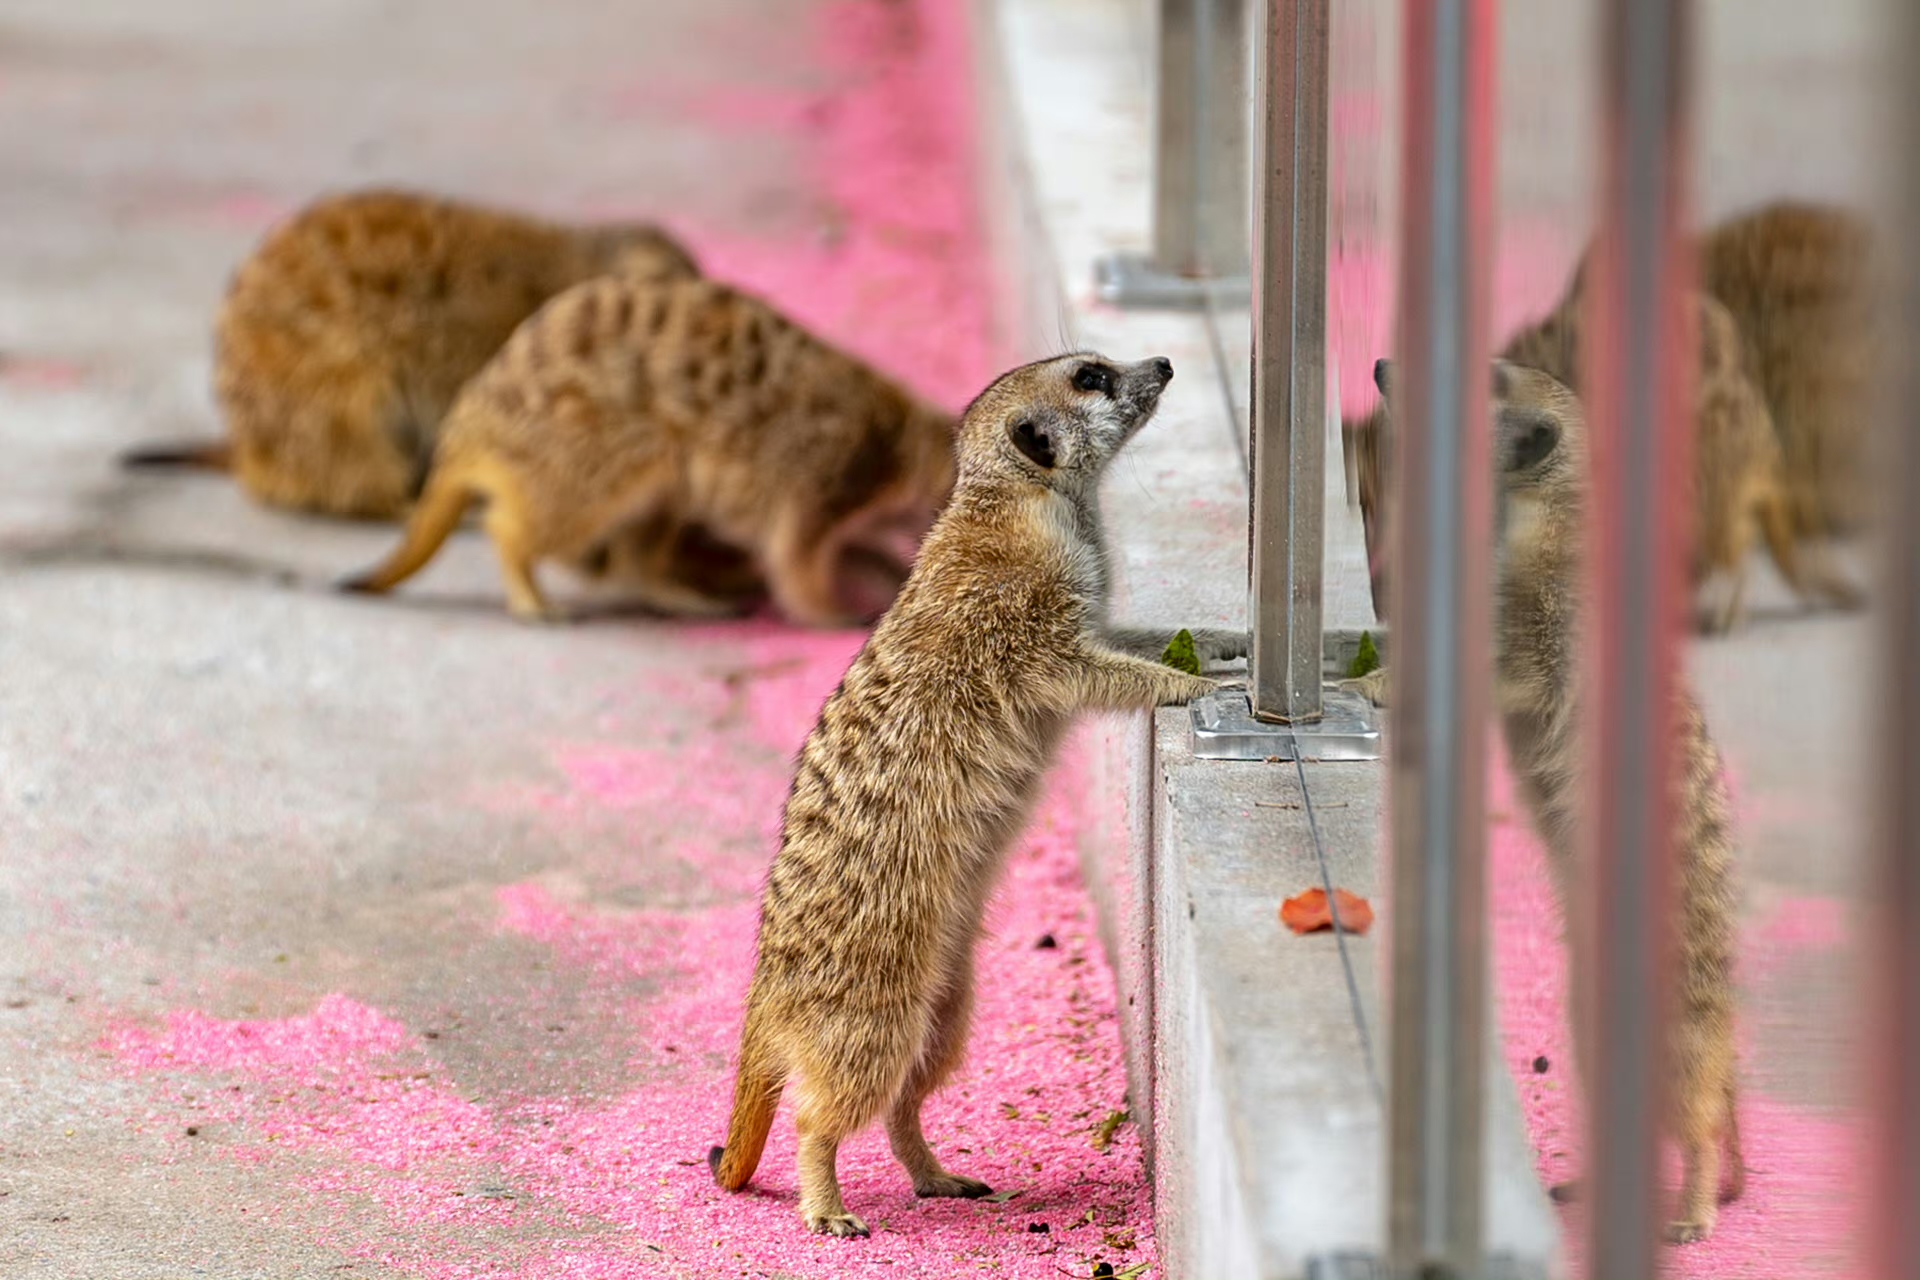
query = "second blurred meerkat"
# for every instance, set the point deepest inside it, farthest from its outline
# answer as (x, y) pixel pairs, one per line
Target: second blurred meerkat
(923, 768)
(345, 336)
(1540, 454)
(623, 401)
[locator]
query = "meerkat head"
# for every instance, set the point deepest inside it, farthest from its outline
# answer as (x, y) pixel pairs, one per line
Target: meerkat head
(1539, 431)
(637, 251)
(1058, 423)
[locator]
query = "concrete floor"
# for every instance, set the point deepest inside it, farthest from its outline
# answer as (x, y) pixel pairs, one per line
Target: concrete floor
(396, 938)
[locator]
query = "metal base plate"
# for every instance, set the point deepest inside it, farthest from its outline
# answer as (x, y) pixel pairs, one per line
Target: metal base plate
(1224, 729)
(1367, 1266)
(1130, 280)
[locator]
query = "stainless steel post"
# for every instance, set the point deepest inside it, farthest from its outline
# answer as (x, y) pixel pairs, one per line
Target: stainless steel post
(1640, 355)
(1287, 451)
(1177, 116)
(1442, 641)
(1199, 231)
(1894, 1015)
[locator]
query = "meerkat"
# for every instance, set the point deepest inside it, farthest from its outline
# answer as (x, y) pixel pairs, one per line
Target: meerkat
(1798, 279)
(346, 335)
(1541, 457)
(1741, 495)
(622, 401)
(923, 768)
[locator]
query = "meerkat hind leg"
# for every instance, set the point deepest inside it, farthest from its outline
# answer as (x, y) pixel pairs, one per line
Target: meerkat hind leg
(946, 1044)
(512, 541)
(820, 1203)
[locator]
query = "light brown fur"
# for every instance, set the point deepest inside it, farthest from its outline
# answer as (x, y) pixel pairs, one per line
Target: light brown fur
(1540, 449)
(1798, 280)
(922, 770)
(346, 335)
(1791, 280)
(690, 402)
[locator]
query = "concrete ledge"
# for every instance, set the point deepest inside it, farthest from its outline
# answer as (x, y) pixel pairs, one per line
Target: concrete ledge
(1254, 1057)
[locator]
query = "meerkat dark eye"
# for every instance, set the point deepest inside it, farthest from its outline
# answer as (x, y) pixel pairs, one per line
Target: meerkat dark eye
(1032, 440)
(1093, 377)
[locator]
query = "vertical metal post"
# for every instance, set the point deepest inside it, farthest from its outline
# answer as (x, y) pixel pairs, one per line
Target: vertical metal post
(1287, 450)
(1894, 1234)
(1442, 622)
(1640, 355)
(1199, 164)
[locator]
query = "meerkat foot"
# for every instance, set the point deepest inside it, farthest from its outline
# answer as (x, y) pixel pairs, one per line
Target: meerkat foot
(537, 610)
(950, 1186)
(1689, 1230)
(842, 1224)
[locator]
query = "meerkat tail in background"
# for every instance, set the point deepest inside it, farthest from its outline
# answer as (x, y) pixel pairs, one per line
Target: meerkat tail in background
(922, 770)
(1541, 452)
(346, 335)
(623, 401)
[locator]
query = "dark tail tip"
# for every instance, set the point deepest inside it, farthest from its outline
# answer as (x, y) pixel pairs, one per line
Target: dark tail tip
(211, 455)
(357, 584)
(713, 1160)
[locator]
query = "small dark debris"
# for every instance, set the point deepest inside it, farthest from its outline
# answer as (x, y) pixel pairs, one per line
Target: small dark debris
(18, 1002)
(193, 1131)
(1541, 1066)
(431, 1034)
(555, 1027)
(1046, 943)
(1038, 1228)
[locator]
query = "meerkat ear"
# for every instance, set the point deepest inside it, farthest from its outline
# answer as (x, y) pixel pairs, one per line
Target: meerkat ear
(1383, 374)
(1032, 440)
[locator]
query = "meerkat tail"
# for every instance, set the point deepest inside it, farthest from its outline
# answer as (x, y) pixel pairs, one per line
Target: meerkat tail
(439, 512)
(756, 1095)
(205, 455)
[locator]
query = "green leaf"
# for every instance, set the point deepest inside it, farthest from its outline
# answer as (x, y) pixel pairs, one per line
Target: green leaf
(1181, 655)
(1365, 659)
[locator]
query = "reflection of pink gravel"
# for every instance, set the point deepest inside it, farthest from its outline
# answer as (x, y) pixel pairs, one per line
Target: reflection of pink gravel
(357, 1110)
(1800, 1159)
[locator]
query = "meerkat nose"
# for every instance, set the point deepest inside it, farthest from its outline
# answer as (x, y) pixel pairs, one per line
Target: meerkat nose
(1164, 367)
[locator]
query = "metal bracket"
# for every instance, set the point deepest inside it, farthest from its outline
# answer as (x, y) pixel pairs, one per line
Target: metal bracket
(1224, 729)
(1131, 280)
(1354, 1265)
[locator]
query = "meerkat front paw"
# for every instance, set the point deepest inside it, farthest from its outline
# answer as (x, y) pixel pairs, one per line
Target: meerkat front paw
(1186, 688)
(951, 1186)
(841, 1224)
(1219, 646)
(1373, 686)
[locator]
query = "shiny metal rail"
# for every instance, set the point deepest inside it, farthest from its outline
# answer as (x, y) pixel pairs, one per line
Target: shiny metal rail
(1442, 640)
(1637, 398)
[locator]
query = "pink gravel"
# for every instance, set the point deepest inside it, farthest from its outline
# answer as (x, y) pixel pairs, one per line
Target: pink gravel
(1794, 1218)
(353, 1106)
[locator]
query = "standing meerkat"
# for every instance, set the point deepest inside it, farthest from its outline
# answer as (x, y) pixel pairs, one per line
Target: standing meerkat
(1742, 493)
(346, 335)
(623, 401)
(1541, 455)
(922, 770)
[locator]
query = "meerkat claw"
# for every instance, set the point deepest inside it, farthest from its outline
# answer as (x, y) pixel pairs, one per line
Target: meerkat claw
(844, 1225)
